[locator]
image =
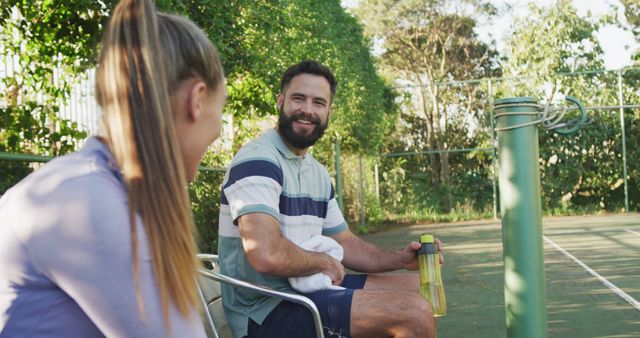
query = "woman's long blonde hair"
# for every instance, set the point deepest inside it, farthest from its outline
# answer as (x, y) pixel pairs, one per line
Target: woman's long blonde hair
(145, 56)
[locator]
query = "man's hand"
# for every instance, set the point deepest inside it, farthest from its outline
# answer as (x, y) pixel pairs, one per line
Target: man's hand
(334, 269)
(409, 258)
(439, 246)
(362, 256)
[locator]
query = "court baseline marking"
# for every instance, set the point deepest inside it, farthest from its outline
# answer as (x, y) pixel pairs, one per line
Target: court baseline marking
(604, 281)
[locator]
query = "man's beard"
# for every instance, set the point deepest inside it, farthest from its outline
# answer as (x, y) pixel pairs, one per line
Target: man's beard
(285, 126)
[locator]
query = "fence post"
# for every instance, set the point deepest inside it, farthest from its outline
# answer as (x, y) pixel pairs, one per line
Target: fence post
(493, 153)
(339, 196)
(375, 168)
(362, 213)
(521, 209)
(624, 142)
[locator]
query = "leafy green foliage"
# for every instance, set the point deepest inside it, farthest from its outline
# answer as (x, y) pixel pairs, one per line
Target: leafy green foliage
(427, 44)
(298, 30)
(257, 41)
(44, 38)
(554, 39)
(576, 171)
(632, 13)
(205, 201)
(48, 43)
(424, 44)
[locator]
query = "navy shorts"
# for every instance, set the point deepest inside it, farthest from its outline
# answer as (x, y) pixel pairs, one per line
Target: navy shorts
(294, 320)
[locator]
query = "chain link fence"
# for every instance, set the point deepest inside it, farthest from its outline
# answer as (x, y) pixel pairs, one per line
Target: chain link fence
(593, 171)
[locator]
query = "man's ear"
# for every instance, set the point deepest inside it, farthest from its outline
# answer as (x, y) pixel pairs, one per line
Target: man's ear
(279, 100)
(196, 100)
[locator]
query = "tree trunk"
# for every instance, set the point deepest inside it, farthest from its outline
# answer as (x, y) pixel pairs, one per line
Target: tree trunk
(441, 146)
(431, 145)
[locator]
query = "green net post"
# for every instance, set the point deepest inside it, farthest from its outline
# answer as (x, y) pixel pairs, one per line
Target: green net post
(520, 207)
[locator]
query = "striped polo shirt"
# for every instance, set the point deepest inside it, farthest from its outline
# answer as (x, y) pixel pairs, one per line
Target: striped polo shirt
(266, 176)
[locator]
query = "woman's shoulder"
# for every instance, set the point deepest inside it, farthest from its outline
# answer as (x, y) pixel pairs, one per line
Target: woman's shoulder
(71, 192)
(89, 169)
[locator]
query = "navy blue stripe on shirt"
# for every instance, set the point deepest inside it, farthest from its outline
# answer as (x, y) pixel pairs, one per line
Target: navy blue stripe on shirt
(254, 168)
(333, 193)
(223, 198)
(298, 206)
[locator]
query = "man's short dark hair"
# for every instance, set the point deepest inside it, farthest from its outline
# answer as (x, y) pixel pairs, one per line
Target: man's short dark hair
(309, 67)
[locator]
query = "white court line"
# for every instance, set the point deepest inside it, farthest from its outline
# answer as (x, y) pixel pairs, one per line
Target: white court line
(633, 232)
(604, 281)
(587, 230)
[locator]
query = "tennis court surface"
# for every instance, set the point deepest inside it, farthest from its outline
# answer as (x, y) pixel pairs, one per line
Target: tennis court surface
(592, 272)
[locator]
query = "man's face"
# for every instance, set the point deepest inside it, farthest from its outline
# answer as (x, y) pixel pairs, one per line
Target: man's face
(304, 110)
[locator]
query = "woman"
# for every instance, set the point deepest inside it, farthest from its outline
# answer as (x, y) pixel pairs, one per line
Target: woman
(100, 242)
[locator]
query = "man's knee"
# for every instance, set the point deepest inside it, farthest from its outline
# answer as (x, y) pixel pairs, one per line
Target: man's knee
(411, 305)
(398, 313)
(418, 308)
(420, 317)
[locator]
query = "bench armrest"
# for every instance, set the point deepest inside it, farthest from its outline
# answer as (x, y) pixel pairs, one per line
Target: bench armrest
(292, 297)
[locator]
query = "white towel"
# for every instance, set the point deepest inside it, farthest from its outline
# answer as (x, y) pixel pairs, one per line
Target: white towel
(318, 281)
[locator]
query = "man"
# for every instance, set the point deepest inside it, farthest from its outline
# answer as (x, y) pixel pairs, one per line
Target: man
(276, 196)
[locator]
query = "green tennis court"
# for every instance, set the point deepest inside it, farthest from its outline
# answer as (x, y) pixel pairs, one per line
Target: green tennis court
(592, 267)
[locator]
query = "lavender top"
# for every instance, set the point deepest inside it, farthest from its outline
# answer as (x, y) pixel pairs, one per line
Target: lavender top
(66, 258)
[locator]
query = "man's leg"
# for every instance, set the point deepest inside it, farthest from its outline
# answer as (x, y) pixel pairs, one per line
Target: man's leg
(391, 313)
(390, 305)
(396, 281)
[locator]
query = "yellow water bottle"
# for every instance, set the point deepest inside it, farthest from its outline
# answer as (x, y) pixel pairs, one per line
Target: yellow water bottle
(431, 286)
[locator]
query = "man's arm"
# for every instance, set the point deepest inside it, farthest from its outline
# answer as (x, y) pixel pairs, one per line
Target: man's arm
(362, 256)
(272, 254)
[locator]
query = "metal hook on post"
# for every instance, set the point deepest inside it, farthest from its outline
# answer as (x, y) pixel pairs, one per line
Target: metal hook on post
(570, 127)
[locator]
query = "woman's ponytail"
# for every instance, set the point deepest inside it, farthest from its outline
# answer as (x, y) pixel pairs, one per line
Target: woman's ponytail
(131, 88)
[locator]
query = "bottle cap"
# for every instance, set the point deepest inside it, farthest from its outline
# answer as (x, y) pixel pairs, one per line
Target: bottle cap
(426, 239)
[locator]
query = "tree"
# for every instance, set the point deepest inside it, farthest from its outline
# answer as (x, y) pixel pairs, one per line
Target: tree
(544, 52)
(424, 44)
(42, 38)
(257, 41)
(363, 111)
(554, 39)
(632, 13)
(279, 34)
(632, 78)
